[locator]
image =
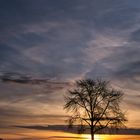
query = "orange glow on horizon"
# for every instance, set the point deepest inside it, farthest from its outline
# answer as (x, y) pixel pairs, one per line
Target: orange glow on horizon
(57, 135)
(96, 137)
(111, 137)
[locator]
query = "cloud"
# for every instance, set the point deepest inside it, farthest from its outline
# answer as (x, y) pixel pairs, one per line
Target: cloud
(13, 115)
(18, 88)
(133, 103)
(135, 36)
(62, 42)
(25, 79)
(25, 97)
(47, 37)
(65, 128)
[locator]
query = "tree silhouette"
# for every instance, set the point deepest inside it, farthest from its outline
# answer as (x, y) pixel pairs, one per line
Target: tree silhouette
(94, 104)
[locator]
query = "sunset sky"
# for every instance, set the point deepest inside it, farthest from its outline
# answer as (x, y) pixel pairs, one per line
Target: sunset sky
(58, 42)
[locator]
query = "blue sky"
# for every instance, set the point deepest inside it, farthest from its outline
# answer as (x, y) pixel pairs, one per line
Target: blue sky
(63, 41)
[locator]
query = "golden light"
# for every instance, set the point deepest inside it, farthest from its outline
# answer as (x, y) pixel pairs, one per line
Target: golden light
(86, 137)
(96, 137)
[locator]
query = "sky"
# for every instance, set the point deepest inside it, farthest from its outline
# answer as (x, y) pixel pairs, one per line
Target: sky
(51, 43)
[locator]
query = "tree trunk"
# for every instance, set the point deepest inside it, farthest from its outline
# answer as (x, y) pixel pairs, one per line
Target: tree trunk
(92, 134)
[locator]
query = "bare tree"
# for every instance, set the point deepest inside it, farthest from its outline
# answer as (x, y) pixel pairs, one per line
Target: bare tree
(94, 104)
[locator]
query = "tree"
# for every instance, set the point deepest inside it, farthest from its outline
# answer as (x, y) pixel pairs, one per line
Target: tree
(94, 104)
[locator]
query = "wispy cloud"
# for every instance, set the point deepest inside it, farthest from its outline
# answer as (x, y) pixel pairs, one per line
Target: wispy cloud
(47, 45)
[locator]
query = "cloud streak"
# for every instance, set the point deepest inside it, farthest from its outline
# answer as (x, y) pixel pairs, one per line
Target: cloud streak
(47, 45)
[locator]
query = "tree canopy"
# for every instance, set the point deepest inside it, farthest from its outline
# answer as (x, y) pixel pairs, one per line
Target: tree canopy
(95, 104)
